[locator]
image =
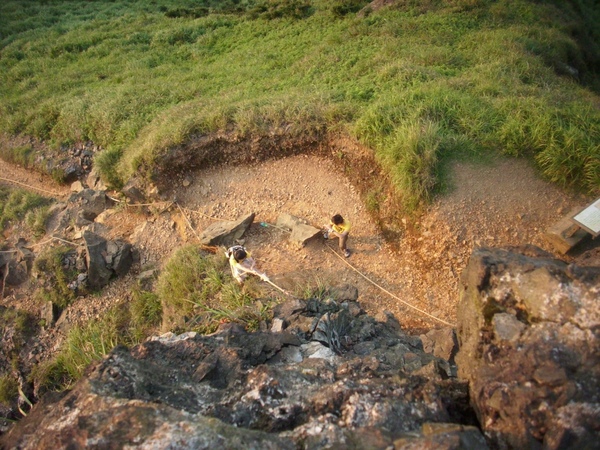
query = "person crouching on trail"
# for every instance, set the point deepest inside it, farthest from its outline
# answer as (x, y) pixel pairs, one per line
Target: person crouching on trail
(339, 227)
(242, 264)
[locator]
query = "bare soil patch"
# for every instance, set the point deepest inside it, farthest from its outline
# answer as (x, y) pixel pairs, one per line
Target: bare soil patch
(502, 204)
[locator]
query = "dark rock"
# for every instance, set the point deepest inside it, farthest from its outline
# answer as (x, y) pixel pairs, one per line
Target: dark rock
(91, 201)
(226, 233)
(121, 257)
(133, 193)
(105, 259)
(289, 308)
(48, 313)
(441, 343)
(527, 328)
(99, 272)
(15, 273)
(71, 173)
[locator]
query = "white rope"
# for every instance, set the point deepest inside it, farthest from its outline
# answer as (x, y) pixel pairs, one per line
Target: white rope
(388, 292)
(58, 194)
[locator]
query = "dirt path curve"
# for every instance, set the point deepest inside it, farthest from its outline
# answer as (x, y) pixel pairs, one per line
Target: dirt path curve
(503, 204)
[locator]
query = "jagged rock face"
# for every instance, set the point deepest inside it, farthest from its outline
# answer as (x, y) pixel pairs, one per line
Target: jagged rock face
(264, 390)
(529, 346)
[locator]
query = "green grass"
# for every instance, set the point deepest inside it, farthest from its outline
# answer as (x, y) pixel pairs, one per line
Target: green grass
(17, 204)
(146, 314)
(8, 390)
(198, 293)
(55, 279)
(516, 77)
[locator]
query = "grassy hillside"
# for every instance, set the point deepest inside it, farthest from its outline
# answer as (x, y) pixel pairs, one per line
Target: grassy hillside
(417, 81)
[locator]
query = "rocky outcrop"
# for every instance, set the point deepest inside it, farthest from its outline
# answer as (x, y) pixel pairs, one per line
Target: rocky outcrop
(333, 377)
(529, 347)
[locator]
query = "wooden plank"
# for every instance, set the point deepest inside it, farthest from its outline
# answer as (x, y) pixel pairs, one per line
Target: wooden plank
(564, 235)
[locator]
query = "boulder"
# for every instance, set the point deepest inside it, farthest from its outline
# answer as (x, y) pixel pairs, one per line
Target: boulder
(16, 273)
(301, 232)
(15, 265)
(528, 336)
(105, 259)
(133, 193)
(94, 181)
(98, 271)
(91, 201)
(226, 233)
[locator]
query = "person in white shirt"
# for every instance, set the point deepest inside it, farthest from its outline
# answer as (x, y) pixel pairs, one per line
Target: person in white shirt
(242, 264)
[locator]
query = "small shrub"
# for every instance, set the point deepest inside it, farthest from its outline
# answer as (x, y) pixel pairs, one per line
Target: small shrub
(16, 203)
(8, 390)
(372, 201)
(146, 314)
(276, 9)
(340, 8)
(36, 220)
(412, 156)
(22, 155)
(314, 288)
(56, 276)
(187, 12)
(106, 163)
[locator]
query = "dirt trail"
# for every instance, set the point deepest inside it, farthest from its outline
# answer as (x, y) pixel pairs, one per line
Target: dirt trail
(502, 204)
(26, 179)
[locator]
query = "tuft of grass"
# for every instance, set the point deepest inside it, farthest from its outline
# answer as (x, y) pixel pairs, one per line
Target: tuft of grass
(8, 390)
(15, 204)
(36, 220)
(22, 155)
(317, 287)
(413, 157)
(146, 314)
(55, 277)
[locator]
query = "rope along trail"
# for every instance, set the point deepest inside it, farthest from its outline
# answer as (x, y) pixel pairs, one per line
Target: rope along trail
(56, 194)
(388, 292)
(425, 313)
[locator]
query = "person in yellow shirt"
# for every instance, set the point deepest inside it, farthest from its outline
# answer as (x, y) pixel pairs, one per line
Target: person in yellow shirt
(339, 227)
